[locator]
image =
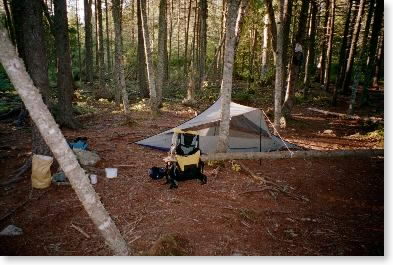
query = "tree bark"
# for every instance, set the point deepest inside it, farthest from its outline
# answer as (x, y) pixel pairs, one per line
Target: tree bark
(352, 50)
(329, 45)
(162, 62)
(64, 70)
(202, 42)
(97, 53)
(119, 68)
(366, 31)
(9, 23)
(186, 37)
(296, 154)
(62, 152)
(310, 65)
(324, 42)
(265, 41)
(89, 72)
(372, 51)
(36, 60)
(240, 20)
(108, 45)
(79, 41)
(48, 17)
(17, 11)
(278, 85)
(343, 54)
(101, 52)
(142, 75)
(295, 67)
(171, 34)
(226, 83)
(149, 61)
(273, 25)
(378, 63)
(287, 18)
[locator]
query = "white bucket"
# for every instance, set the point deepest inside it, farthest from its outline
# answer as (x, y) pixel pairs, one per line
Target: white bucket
(111, 173)
(93, 179)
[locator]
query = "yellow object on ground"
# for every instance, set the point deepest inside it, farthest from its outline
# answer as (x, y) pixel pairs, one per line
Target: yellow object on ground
(40, 173)
(188, 160)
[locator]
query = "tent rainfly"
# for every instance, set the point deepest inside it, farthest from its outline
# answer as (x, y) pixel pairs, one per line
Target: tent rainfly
(248, 131)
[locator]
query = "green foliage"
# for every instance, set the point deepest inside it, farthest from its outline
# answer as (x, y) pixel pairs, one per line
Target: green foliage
(209, 93)
(243, 95)
(268, 78)
(320, 99)
(5, 83)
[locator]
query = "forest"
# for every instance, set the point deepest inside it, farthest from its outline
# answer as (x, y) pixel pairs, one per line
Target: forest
(281, 103)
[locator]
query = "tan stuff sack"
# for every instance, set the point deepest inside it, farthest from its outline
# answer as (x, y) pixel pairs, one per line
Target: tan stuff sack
(40, 173)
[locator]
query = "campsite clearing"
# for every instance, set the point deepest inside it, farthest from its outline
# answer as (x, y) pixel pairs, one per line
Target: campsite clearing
(231, 215)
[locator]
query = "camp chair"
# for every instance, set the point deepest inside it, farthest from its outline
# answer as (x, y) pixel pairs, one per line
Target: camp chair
(187, 163)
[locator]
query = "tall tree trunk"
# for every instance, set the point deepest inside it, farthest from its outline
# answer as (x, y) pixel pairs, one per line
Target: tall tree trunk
(97, 55)
(64, 70)
(220, 61)
(27, 15)
(372, 50)
(295, 64)
(101, 52)
(132, 23)
(366, 31)
(226, 84)
(171, 34)
(352, 50)
(378, 63)
(88, 42)
(162, 62)
(186, 37)
(58, 145)
(343, 54)
(287, 18)
(108, 45)
(142, 75)
(119, 68)
(149, 60)
(310, 65)
(324, 42)
(17, 11)
(273, 26)
(278, 85)
(193, 67)
(9, 23)
(178, 31)
(79, 40)
(329, 45)
(240, 20)
(265, 41)
(253, 47)
(202, 42)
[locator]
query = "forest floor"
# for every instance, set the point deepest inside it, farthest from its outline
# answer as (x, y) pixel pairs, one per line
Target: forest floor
(342, 212)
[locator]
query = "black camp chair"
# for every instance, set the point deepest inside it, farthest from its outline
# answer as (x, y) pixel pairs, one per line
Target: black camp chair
(188, 163)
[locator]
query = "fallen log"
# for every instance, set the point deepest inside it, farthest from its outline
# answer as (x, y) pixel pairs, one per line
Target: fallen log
(347, 116)
(295, 154)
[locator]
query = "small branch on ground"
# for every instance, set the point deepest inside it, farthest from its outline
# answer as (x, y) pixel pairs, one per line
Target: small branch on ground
(274, 186)
(80, 230)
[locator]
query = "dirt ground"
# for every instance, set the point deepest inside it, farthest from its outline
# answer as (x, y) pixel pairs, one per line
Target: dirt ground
(337, 207)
